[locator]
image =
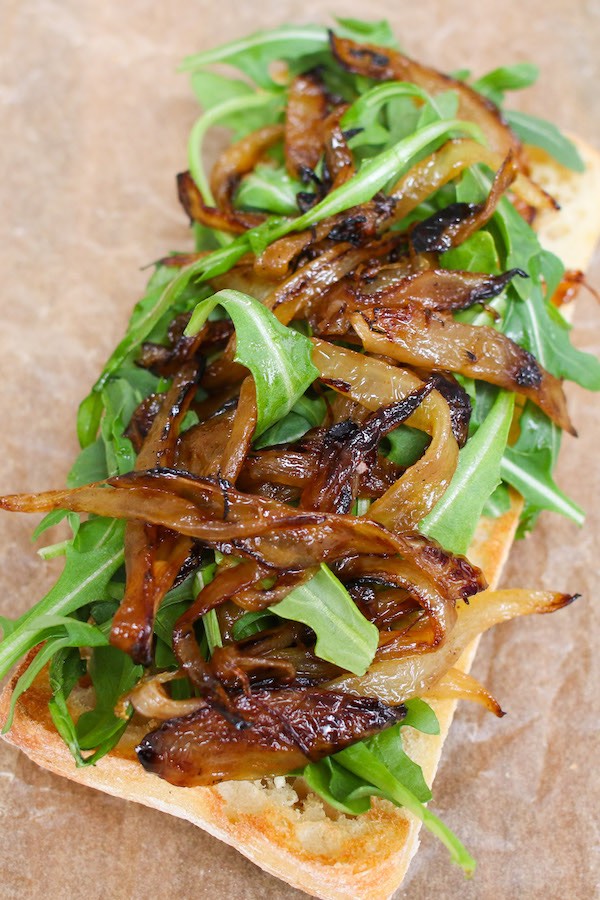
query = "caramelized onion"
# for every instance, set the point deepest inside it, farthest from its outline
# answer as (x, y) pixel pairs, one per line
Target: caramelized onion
(239, 159)
(397, 680)
(153, 556)
(285, 729)
(150, 699)
(457, 685)
(386, 64)
(374, 383)
(305, 111)
(415, 336)
(230, 220)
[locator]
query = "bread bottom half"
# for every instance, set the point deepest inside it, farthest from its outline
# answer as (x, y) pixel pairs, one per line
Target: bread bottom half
(279, 827)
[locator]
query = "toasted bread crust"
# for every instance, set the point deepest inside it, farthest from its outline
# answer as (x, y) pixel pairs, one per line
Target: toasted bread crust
(290, 836)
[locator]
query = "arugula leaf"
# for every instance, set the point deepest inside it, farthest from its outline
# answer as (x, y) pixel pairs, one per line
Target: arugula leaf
(365, 762)
(344, 636)
(91, 561)
(254, 54)
(253, 622)
(528, 464)
(228, 111)
(270, 189)
(419, 715)
(57, 634)
(306, 413)
(350, 793)
(498, 503)
(113, 673)
(89, 466)
(279, 358)
(454, 519)
(405, 445)
(477, 254)
(377, 32)
(506, 78)
(66, 668)
(149, 321)
(541, 133)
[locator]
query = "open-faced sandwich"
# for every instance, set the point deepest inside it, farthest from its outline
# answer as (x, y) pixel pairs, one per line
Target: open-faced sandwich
(302, 468)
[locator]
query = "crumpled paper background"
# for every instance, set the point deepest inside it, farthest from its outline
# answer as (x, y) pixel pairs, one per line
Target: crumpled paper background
(95, 123)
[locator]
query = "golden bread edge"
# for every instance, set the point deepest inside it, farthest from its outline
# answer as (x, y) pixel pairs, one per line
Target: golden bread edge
(366, 857)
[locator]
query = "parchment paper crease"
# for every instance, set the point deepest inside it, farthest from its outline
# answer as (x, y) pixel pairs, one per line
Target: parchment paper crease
(94, 127)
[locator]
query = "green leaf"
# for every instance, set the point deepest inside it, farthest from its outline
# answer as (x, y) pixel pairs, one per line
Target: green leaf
(89, 466)
(365, 110)
(60, 635)
(540, 133)
(344, 636)
(420, 715)
(506, 78)
(378, 32)
(387, 746)
(350, 793)
(96, 553)
(254, 54)
(366, 763)
(113, 673)
(252, 623)
(498, 503)
(231, 111)
(279, 358)
(454, 519)
(66, 668)
(477, 254)
(405, 445)
(271, 189)
(305, 414)
(528, 467)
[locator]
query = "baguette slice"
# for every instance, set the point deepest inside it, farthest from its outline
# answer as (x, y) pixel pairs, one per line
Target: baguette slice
(291, 835)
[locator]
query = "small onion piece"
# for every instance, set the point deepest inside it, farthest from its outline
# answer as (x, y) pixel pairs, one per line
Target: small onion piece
(457, 685)
(150, 699)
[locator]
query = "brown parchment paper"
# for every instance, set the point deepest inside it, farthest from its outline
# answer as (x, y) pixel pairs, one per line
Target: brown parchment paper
(94, 127)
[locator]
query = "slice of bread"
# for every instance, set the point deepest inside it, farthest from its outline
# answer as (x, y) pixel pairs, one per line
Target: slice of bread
(279, 826)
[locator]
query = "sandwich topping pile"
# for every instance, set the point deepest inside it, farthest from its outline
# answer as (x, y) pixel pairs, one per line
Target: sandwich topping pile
(285, 459)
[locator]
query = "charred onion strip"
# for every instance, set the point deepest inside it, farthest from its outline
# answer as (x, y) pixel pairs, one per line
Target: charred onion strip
(238, 160)
(185, 646)
(242, 430)
(446, 164)
(339, 161)
(153, 556)
(439, 289)
(287, 729)
(305, 111)
(348, 451)
(454, 224)
(374, 383)
(385, 64)
(242, 524)
(420, 588)
(230, 220)
(419, 337)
